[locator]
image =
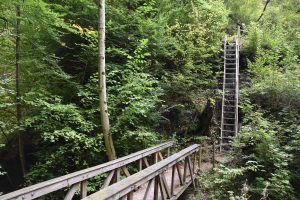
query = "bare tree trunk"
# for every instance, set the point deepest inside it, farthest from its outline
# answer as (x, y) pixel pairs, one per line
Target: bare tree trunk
(110, 149)
(18, 94)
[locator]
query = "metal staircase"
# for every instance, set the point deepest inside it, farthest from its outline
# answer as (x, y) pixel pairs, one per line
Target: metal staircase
(229, 118)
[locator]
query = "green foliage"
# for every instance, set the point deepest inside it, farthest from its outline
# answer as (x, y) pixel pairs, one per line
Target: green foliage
(269, 135)
(63, 135)
(259, 137)
(245, 12)
(262, 165)
(139, 139)
(161, 69)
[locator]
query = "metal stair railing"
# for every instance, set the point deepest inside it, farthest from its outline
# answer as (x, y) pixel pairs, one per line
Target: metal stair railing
(230, 96)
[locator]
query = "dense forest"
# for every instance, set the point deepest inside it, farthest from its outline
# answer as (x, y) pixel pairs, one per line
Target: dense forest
(164, 64)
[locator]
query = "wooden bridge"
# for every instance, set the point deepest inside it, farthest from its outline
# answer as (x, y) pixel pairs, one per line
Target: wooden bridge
(157, 177)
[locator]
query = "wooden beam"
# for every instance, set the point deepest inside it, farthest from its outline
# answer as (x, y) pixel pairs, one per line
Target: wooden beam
(194, 162)
(185, 170)
(41, 189)
(214, 154)
(127, 185)
(147, 189)
(130, 196)
(108, 179)
(140, 164)
(156, 180)
(168, 151)
(161, 188)
(179, 174)
(191, 171)
(165, 184)
(125, 170)
(173, 179)
(83, 189)
(200, 158)
(146, 161)
(160, 156)
(71, 192)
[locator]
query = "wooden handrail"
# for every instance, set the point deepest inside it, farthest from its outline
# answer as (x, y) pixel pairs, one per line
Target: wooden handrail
(79, 178)
(154, 173)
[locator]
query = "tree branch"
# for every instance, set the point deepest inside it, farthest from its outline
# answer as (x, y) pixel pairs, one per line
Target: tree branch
(268, 1)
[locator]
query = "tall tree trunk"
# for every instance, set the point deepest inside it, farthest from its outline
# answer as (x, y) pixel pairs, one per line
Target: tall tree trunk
(110, 149)
(18, 94)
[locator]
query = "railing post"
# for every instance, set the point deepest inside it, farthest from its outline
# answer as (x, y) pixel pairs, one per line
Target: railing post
(173, 179)
(214, 153)
(239, 33)
(156, 179)
(140, 165)
(71, 191)
(78, 179)
(83, 189)
(185, 170)
(200, 158)
(168, 152)
(130, 196)
(155, 157)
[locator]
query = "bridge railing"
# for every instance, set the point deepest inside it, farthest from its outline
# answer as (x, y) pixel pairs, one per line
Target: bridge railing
(183, 162)
(183, 165)
(79, 179)
(212, 151)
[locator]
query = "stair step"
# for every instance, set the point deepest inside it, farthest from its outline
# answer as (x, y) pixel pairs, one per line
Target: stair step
(228, 118)
(229, 68)
(230, 131)
(229, 112)
(228, 124)
(229, 94)
(230, 84)
(229, 106)
(229, 73)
